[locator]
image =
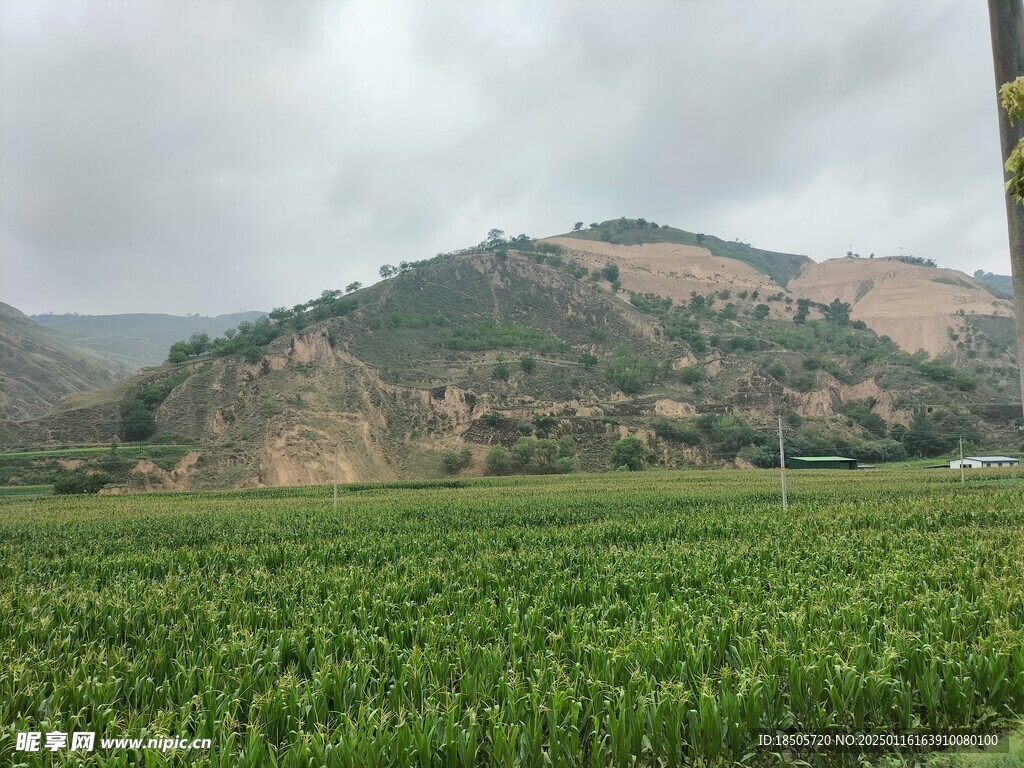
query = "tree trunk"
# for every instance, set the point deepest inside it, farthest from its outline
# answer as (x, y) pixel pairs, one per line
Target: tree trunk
(1006, 20)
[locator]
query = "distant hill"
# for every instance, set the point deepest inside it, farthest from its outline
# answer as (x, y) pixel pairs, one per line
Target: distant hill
(780, 267)
(1000, 283)
(38, 367)
(138, 340)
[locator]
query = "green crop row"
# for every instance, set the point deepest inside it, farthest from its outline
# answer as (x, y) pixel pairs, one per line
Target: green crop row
(650, 619)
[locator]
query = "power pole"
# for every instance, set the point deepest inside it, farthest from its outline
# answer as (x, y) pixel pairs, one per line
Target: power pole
(1006, 22)
(961, 459)
(335, 478)
(782, 468)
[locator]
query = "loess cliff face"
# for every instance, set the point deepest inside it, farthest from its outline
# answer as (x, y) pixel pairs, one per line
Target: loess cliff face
(280, 421)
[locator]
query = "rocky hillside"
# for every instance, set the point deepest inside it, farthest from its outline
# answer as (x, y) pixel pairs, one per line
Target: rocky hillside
(579, 339)
(38, 367)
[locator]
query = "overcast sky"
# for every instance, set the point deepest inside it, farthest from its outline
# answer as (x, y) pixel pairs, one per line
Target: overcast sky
(216, 156)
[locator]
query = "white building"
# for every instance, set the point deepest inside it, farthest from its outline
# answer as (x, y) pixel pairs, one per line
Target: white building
(979, 462)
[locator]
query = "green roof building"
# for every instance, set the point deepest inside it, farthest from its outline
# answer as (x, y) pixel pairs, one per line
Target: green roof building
(821, 462)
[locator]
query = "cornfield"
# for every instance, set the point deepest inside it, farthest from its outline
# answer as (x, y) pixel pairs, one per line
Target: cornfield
(648, 619)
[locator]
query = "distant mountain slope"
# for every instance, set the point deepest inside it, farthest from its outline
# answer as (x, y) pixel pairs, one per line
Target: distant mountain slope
(138, 340)
(780, 267)
(38, 367)
(1001, 283)
(918, 307)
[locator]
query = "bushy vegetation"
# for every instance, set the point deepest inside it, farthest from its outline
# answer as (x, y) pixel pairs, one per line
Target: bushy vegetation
(453, 462)
(650, 302)
(633, 373)
(916, 260)
(727, 435)
(532, 456)
(137, 420)
(491, 335)
(859, 412)
(400, 320)
(629, 453)
(78, 481)
(943, 372)
(682, 326)
(936, 432)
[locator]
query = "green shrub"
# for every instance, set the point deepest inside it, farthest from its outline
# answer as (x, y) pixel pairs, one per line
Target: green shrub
(632, 373)
(498, 461)
(542, 457)
(544, 424)
(777, 371)
(452, 462)
(629, 452)
(937, 371)
(77, 481)
(650, 302)
(859, 412)
(492, 420)
(137, 421)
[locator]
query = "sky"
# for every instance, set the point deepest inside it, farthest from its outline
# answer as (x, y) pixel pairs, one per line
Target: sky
(215, 156)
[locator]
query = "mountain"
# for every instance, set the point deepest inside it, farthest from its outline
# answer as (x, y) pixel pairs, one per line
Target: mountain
(1001, 284)
(574, 338)
(38, 367)
(138, 340)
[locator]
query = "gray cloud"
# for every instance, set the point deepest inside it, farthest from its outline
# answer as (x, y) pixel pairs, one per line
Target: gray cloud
(211, 157)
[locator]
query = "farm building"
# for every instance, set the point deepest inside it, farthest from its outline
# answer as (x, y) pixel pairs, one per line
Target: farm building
(821, 462)
(979, 462)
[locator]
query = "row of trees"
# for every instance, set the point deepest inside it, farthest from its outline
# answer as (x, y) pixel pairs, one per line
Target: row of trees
(250, 339)
(496, 241)
(533, 456)
(546, 456)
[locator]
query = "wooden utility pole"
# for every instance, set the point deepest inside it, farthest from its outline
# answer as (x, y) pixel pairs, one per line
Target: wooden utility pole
(961, 459)
(1006, 22)
(782, 468)
(335, 477)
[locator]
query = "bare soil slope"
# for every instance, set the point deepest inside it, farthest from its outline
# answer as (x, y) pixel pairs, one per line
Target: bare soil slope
(669, 269)
(916, 306)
